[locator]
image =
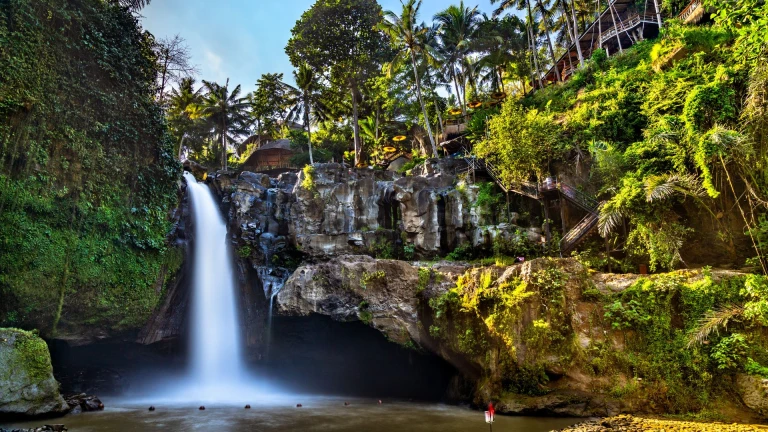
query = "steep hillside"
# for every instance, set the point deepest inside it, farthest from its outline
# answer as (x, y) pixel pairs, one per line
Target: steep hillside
(87, 174)
(669, 134)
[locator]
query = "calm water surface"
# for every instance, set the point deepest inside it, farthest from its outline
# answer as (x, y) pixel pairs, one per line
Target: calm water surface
(317, 414)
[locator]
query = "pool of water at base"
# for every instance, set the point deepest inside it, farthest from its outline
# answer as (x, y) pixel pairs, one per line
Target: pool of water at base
(281, 414)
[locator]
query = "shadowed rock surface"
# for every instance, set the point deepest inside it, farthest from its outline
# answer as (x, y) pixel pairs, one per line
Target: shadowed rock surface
(27, 386)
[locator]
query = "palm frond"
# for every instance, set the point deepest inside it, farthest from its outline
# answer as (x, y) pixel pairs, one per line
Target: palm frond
(713, 321)
(609, 220)
(661, 187)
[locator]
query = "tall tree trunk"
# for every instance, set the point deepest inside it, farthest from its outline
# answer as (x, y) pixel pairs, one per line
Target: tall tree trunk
(437, 107)
(423, 107)
(162, 80)
(600, 27)
(469, 78)
(181, 145)
(224, 145)
(307, 108)
(440, 120)
(258, 131)
(576, 34)
(658, 12)
(549, 41)
(532, 40)
(501, 79)
(458, 93)
(355, 125)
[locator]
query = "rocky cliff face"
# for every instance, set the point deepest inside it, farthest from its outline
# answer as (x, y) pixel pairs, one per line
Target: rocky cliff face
(324, 213)
(27, 386)
(332, 210)
(536, 338)
(543, 337)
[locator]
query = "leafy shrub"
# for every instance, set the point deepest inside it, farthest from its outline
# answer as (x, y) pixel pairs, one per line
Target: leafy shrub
(731, 352)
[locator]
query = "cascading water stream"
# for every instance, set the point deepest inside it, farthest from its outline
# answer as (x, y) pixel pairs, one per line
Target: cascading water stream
(217, 374)
(216, 353)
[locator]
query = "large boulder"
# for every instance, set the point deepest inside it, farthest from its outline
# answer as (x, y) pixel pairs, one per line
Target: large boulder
(27, 386)
(753, 391)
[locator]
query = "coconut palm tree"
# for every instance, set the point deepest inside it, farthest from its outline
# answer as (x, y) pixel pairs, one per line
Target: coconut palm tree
(182, 116)
(565, 19)
(226, 113)
(458, 30)
(530, 24)
(545, 14)
(133, 5)
(501, 44)
(307, 101)
(407, 37)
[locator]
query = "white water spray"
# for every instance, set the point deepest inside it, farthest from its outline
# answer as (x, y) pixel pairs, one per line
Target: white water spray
(216, 354)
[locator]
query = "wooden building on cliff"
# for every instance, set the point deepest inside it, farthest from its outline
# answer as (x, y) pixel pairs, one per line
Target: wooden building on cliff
(621, 25)
(273, 157)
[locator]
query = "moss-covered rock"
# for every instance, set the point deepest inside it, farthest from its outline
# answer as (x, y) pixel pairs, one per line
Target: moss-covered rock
(27, 386)
(551, 337)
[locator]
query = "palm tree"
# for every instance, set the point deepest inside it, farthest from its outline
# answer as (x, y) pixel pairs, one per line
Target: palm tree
(133, 5)
(407, 37)
(530, 23)
(182, 105)
(501, 42)
(307, 100)
(226, 112)
(458, 29)
(545, 28)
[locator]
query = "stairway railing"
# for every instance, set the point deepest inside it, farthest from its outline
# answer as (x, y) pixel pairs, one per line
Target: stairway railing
(578, 232)
(575, 196)
(580, 198)
(689, 10)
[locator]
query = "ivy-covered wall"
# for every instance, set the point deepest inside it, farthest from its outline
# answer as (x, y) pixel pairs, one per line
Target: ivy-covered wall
(87, 173)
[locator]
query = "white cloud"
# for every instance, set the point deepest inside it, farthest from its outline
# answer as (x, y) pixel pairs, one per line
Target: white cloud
(213, 67)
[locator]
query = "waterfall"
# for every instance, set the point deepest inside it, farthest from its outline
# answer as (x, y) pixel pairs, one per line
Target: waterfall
(216, 353)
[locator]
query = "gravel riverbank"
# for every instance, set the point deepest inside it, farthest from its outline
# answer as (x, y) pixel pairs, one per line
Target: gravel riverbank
(632, 424)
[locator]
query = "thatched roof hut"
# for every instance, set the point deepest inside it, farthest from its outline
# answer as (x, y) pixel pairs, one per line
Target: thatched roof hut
(271, 157)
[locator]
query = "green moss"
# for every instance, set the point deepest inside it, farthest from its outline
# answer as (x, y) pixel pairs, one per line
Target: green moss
(31, 354)
(308, 182)
(363, 313)
(245, 252)
(371, 278)
(425, 276)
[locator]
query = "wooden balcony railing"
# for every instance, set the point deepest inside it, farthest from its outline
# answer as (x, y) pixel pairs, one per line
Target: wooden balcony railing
(627, 24)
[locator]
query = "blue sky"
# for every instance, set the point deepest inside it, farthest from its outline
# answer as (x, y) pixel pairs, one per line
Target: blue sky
(242, 39)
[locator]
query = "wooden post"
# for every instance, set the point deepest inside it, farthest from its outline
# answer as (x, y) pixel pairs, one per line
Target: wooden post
(547, 230)
(618, 38)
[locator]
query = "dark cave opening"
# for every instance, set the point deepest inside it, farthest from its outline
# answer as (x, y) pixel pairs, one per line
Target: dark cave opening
(318, 355)
(311, 355)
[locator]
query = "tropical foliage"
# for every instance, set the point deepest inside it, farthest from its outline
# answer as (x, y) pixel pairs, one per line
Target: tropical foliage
(88, 172)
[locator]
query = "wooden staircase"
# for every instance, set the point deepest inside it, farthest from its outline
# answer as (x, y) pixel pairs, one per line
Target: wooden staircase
(531, 190)
(580, 199)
